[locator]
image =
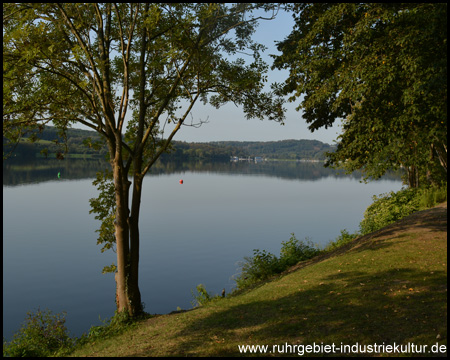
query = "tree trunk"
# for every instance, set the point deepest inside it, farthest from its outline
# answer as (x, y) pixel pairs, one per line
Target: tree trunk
(122, 236)
(128, 296)
(133, 280)
(413, 176)
(441, 151)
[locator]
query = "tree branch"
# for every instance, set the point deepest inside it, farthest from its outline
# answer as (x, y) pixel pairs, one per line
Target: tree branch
(169, 139)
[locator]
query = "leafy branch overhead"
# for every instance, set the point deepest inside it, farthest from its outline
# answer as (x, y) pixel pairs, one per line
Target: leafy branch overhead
(95, 64)
(382, 69)
(133, 73)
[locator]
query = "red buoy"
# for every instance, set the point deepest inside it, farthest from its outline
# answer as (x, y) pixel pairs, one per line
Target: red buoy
(181, 181)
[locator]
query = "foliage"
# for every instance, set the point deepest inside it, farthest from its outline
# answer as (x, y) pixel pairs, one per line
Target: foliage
(284, 149)
(95, 63)
(105, 208)
(388, 208)
(88, 143)
(393, 291)
(432, 195)
(113, 326)
(258, 267)
(50, 142)
(42, 334)
(202, 297)
(294, 250)
(391, 207)
(263, 264)
(382, 67)
(341, 240)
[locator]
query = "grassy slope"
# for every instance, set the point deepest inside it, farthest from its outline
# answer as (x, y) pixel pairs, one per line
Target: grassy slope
(389, 286)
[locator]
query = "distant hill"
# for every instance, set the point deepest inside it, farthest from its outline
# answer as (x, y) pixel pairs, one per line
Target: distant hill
(51, 143)
(283, 149)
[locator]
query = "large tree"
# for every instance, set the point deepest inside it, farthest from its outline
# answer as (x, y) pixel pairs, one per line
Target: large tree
(127, 71)
(382, 69)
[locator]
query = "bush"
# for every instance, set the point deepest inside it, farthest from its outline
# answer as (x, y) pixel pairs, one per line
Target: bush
(432, 195)
(258, 267)
(294, 250)
(341, 240)
(42, 334)
(112, 326)
(388, 208)
(263, 264)
(202, 296)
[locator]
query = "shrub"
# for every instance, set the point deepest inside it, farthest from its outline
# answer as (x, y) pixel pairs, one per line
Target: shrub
(42, 334)
(341, 240)
(440, 194)
(112, 326)
(263, 264)
(258, 267)
(388, 208)
(432, 195)
(294, 250)
(202, 296)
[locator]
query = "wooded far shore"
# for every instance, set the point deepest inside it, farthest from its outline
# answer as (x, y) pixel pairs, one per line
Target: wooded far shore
(85, 143)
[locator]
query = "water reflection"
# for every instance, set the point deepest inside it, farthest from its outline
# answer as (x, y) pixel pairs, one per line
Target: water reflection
(17, 172)
(190, 234)
(20, 172)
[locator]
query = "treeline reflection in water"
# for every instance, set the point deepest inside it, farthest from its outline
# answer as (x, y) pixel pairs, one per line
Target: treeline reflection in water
(226, 208)
(17, 172)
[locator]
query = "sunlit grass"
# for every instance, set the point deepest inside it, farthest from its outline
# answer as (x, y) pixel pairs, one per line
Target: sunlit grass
(385, 288)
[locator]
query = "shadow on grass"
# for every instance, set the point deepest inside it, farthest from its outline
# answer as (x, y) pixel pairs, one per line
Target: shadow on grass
(386, 307)
(368, 306)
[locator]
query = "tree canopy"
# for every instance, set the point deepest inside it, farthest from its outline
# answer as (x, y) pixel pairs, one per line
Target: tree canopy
(132, 72)
(93, 64)
(382, 69)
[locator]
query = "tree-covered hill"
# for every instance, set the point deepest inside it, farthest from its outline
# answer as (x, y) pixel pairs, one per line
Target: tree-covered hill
(284, 149)
(81, 143)
(49, 143)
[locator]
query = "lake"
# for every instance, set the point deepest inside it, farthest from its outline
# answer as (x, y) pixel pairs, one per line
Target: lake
(191, 233)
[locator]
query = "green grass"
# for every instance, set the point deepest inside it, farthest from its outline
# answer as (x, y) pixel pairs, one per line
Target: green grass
(386, 287)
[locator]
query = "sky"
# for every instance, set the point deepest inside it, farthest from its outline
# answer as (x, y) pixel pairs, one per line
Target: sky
(229, 123)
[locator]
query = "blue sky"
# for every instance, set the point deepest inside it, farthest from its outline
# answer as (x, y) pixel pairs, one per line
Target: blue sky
(229, 122)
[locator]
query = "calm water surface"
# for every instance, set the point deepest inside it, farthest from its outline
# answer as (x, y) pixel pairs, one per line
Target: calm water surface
(191, 234)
